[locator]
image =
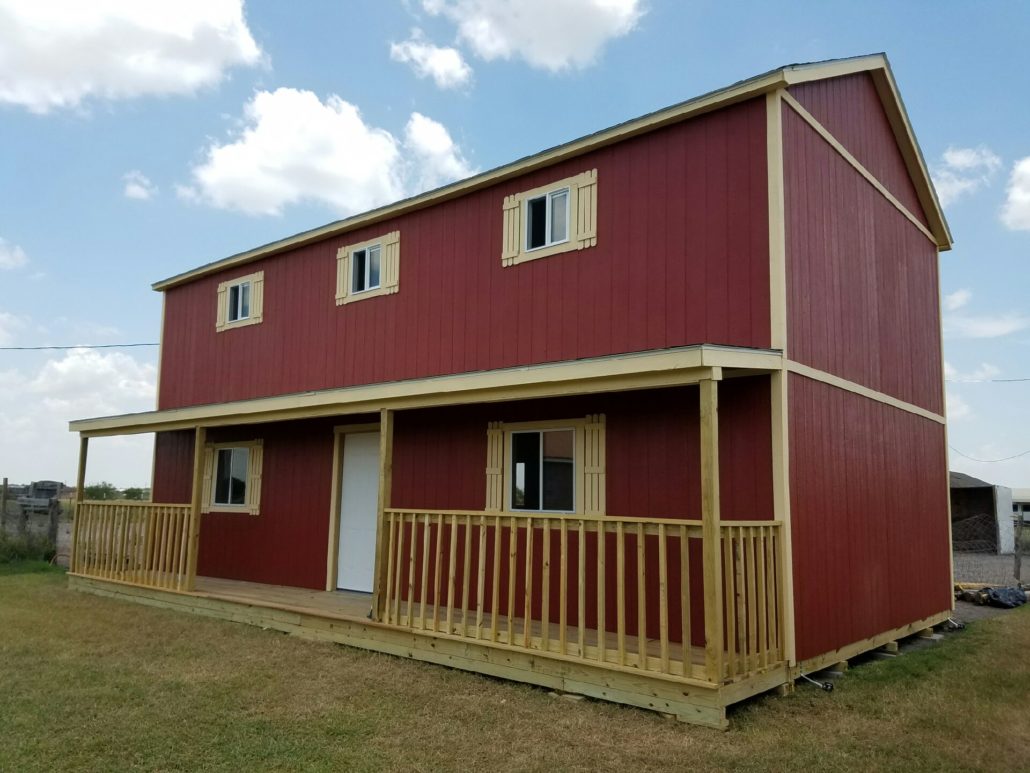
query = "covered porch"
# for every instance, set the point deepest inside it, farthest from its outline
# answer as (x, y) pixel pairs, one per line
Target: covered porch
(682, 615)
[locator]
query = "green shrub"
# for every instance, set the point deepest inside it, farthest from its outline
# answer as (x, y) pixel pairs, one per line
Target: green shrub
(25, 548)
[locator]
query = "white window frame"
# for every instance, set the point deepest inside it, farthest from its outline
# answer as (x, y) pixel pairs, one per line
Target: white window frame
(240, 317)
(366, 249)
(548, 209)
(510, 458)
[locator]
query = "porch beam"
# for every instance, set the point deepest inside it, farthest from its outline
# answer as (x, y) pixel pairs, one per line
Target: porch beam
(385, 495)
(193, 546)
(80, 495)
(711, 552)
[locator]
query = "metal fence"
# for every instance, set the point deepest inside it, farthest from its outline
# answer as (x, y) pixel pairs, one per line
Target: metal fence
(986, 552)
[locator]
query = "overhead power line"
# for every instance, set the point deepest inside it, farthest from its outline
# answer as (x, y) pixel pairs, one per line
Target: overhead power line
(984, 380)
(75, 346)
(988, 461)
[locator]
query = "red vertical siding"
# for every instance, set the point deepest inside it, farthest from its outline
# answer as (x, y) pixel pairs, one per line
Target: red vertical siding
(681, 258)
(869, 517)
(862, 280)
(851, 111)
(173, 467)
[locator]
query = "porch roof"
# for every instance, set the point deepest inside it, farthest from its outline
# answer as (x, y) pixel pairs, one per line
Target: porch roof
(639, 370)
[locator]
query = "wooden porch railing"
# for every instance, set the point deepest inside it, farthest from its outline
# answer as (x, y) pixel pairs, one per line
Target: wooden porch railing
(623, 593)
(138, 542)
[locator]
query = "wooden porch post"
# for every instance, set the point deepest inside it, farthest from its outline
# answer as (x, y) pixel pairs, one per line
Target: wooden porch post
(80, 485)
(385, 493)
(710, 527)
(193, 545)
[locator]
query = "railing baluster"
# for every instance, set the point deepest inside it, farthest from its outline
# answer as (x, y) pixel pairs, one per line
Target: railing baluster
(641, 598)
(581, 599)
(527, 618)
(738, 551)
(620, 591)
(563, 587)
(425, 573)
(513, 543)
(760, 594)
(466, 573)
(495, 580)
(411, 571)
(481, 577)
(663, 599)
(728, 596)
(602, 628)
(752, 598)
(452, 544)
(437, 571)
(545, 588)
(686, 646)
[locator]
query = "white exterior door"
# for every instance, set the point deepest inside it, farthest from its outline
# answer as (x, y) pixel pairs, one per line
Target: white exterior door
(359, 505)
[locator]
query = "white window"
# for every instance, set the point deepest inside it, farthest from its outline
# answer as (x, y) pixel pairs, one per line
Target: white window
(547, 219)
(239, 302)
(232, 477)
(543, 470)
(231, 466)
(365, 268)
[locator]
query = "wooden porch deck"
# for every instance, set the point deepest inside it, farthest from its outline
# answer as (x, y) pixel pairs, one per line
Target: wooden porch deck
(342, 617)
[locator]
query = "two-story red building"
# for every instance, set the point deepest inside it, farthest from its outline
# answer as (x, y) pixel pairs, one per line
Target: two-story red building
(655, 416)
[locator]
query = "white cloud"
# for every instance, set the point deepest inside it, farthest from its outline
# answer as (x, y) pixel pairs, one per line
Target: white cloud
(985, 326)
(10, 326)
(11, 255)
(295, 148)
(434, 158)
(36, 405)
(138, 186)
(963, 171)
(983, 372)
(1015, 214)
(445, 66)
(956, 300)
(958, 408)
(549, 34)
(56, 55)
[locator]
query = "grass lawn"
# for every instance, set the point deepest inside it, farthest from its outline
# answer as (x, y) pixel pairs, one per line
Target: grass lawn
(96, 684)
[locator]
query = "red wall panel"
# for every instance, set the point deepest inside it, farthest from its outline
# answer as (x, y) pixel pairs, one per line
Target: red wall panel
(862, 280)
(682, 258)
(869, 517)
(851, 111)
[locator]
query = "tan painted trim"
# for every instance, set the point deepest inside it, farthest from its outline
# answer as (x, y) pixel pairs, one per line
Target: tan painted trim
(385, 500)
(846, 155)
(851, 386)
(582, 222)
(344, 429)
(667, 367)
(255, 461)
(778, 384)
(333, 546)
(257, 302)
(711, 530)
(777, 222)
(196, 505)
(947, 445)
(160, 350)
(389, 268)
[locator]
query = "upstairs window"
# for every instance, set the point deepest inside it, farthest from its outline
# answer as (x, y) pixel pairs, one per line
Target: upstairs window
(240, 301)
(547, 219)
(368, 269)
(365, 265)
(555, 218)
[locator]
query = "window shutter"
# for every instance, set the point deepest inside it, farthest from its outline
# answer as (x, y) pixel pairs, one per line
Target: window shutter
(342, 275)
(585, 216)
(257, 297)
(223, 306)
(594, 465)
(209, 472)
(254, 478)
(391, 262)
(495, 467)
(512, 242)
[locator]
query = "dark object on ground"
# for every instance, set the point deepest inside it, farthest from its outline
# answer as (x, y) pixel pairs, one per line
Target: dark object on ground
(1006, 598)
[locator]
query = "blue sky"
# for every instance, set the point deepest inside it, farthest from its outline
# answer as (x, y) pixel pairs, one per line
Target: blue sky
(138, 140)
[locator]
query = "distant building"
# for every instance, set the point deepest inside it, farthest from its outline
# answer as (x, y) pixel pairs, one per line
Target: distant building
(981, 515)
(1021, 503)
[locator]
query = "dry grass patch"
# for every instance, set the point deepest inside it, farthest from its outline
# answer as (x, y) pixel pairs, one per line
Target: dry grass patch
(99, 684)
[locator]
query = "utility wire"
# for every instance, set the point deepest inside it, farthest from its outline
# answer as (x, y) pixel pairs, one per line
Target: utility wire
(984, 380)
(76, 346)
(988, 461)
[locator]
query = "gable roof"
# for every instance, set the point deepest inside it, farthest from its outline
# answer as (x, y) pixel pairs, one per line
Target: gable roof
(876, 65)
